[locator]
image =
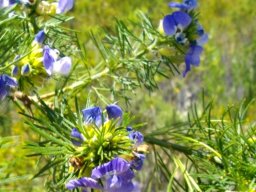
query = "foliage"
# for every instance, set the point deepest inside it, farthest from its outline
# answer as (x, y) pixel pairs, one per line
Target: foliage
(211, 149)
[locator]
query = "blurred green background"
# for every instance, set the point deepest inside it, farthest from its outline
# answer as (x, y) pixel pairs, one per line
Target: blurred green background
(227, 74)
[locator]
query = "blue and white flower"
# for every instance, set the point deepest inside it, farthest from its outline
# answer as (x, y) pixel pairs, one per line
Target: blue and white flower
(6, 83)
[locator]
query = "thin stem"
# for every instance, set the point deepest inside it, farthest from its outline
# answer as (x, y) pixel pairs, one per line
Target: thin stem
(74, 85)
(162, 143)
(29, 100)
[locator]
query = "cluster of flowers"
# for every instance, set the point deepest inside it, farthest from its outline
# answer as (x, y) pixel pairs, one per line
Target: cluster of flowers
(41, 58)
(43, 7)
(115, 172)
(42, 61)
(186, 30)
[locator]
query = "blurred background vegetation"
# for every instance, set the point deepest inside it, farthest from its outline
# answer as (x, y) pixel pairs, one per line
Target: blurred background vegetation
(226, 75)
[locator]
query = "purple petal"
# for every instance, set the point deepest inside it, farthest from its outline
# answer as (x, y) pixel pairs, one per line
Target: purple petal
(138, 162)
(187, 69)
(137, 137)
(64, 6)
(192, 57)
(179, 5)
(92, 115)
(115, 166)
(129, 129)
(78, 137)
(181, 19)
(9, 81)
(83, 182)
(117, 183)
(191, 3)
(62, 66)
(169, 25)
(202, 40)
(6, 83)
(200, 30)
(25, 70)
(15, 70)
(49, 58)
(114, 111)
(40, 36)
(126, 176)
(6, 3)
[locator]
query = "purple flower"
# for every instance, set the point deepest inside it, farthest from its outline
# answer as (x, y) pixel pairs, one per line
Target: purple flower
(15, 70)
(129, 129)
(176, 22)
(192, 57)
(203, 37)
(40, 36)
(49, 58)
(84, 182)
(115, 166)
(122, 182)
(7, 3)
(138, 162)
(54, 66)
(78, 138)
(6, 83)
(25, 70)
(93, 115)
(137, 137)
(114, 111)
(186, 5)
(62, 66)
(64, 6)
(117, 175)
(181, 38)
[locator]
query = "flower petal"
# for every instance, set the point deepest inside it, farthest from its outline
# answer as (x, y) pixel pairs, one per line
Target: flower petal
(92, 115)
(202, 40)
(137, 137)
(192, 57)
(15, 70)
(49, 58)
(114, 111)
(181, 19)
(25, 70)
(64, 6)
(129, 129)
(9, 81)
(62, 66)
(83, 182)
(138, 162)
(178, 5)
(6, 83)
(78, 137)
(40, 36)
(6, 3)
(115, 166)
(191, 3)
(169, 25)
(122, 182)
(187, 69)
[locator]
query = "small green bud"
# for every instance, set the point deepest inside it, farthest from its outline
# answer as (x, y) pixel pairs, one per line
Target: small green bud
(167, 51)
